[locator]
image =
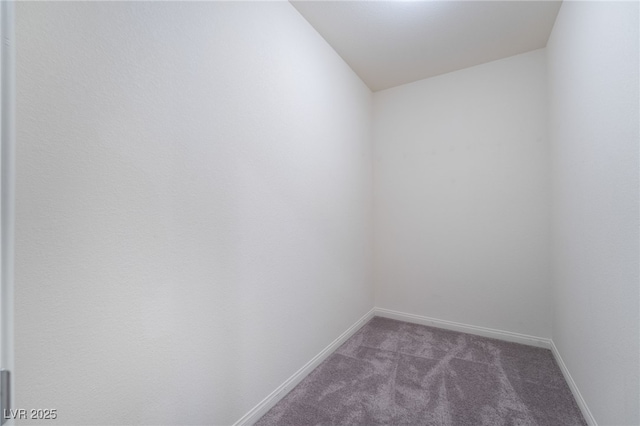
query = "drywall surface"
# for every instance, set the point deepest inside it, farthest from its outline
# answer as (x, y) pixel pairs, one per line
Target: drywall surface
(193, 203)
(594, 131)
(462, 197)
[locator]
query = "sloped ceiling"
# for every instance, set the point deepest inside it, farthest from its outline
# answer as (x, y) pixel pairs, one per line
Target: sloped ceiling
(389, 43)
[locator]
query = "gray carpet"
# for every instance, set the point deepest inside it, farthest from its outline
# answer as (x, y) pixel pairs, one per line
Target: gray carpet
(396, 373)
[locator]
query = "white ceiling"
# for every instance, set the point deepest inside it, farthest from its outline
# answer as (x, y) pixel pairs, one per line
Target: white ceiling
(388, 43)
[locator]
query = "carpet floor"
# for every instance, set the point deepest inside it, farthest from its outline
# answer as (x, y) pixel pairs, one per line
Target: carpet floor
(395, 373)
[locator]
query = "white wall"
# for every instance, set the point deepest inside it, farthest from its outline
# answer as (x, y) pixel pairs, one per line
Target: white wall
(462, 196)
(193, 203)
(593, 93)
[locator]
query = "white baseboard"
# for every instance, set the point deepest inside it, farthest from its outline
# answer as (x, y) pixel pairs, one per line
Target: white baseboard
(586, 413)
(281, 391)
(509, 336)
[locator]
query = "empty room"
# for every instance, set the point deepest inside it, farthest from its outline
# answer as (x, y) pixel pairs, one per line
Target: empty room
(320, 213)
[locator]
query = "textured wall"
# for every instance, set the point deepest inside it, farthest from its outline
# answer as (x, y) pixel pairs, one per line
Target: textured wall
(193, 202)
(462, 196)
(594, 121)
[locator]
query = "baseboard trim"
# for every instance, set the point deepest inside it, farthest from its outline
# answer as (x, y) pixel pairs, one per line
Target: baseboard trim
(586, 413)
(509, 336)
(281, 391)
